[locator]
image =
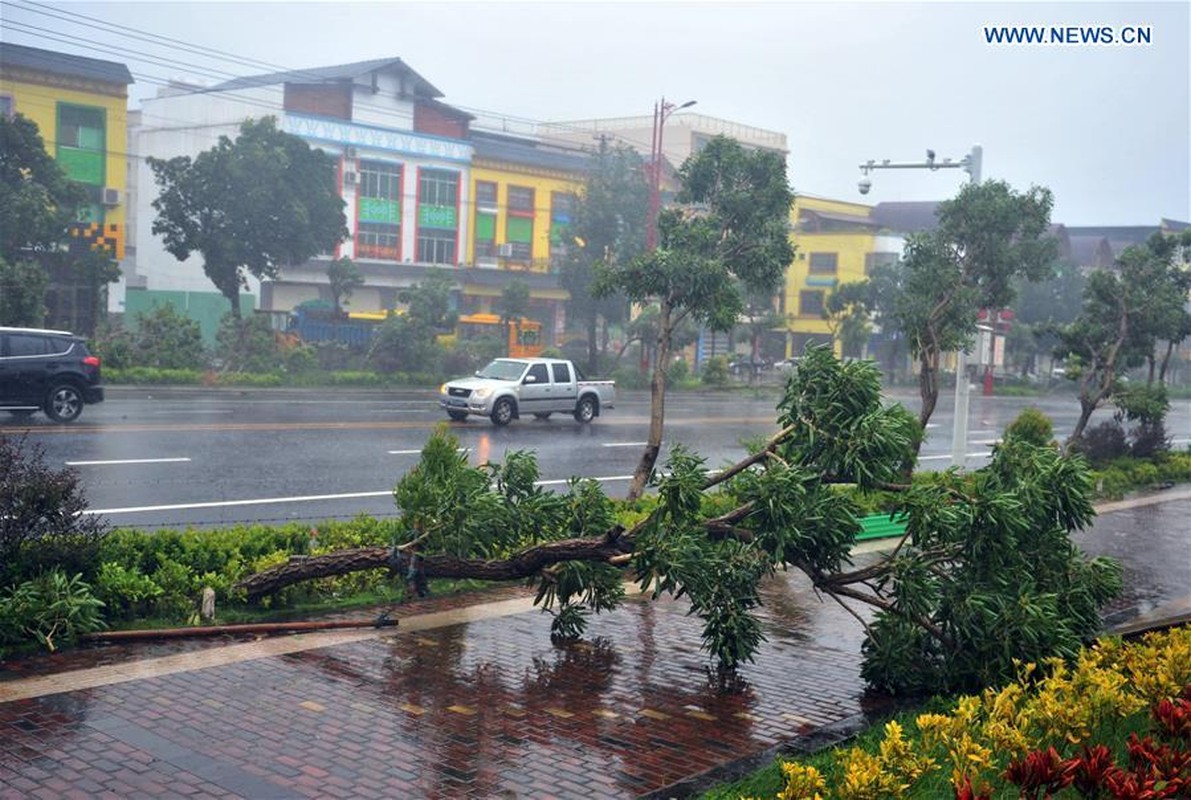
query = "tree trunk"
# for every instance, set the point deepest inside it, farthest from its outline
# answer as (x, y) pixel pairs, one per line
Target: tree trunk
(521, 565)
(592, 351)
(1165, 363)
(657, 406)
(928, 391)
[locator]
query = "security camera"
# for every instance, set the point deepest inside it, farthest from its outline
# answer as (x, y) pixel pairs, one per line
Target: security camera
(864, 185)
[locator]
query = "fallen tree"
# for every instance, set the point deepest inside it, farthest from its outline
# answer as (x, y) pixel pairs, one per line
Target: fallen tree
(985, 573)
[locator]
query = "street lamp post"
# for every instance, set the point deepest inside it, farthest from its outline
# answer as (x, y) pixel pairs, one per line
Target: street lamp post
(661, 112)
(971, 163)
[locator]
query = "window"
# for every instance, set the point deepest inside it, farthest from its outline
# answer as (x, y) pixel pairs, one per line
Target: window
(81, 127)
(436, 246)
(6, 107)
(562, 206)
(485, 225)
(437, 187)
(81, 152)
(25, 344)
(538, 373)
(520, 199)
(378, 211)
(562, 373)
(486, 194)
(810, 304)
(378, 241)
(824, 263)
(874, 260)
(519, 224)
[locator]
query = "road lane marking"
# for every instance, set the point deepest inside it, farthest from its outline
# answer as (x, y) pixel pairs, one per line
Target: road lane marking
(624, 444)
(314, 498)
(936, 458)
(419, 452)
(126, 461)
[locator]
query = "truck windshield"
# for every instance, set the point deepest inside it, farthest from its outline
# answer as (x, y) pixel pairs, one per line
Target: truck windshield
(503, 370)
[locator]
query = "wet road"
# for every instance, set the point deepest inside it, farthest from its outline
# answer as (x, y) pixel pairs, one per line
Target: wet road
(156, 457)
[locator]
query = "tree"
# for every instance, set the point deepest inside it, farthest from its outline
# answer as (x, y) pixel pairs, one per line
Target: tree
(407, 339)
(249, 207)
(847, 311)
(167, 339)
(37, 200)
(987, 236)
(608, 227)
(728, 236)
(1040, 311)
(1126, 311)
(985, 574)
(22, 293)
(344, 277)
(514, 304)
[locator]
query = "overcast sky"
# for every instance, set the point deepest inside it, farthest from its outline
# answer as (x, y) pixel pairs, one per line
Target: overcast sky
(1106, 128)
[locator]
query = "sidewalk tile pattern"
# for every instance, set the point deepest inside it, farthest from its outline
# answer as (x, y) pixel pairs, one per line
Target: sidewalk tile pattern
(477, 710)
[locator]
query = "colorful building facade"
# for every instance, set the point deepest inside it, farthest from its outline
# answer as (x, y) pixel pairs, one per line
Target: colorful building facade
(836, 242)
(80, 106)
(524, 195)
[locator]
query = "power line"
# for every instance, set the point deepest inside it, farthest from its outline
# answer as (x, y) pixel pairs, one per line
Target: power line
(134, 33)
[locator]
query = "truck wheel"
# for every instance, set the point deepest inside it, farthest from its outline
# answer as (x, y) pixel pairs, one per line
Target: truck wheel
(458, 416)
(503, 412)
(64, 403)
(586, 410)
(542, 415)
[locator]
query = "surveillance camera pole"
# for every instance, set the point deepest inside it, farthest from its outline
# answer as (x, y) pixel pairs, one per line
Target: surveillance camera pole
(971, 163)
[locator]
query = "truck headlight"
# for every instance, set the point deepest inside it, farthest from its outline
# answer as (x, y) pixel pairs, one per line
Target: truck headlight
(442, 389)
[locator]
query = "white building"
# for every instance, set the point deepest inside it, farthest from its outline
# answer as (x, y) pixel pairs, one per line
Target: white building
(403, 172)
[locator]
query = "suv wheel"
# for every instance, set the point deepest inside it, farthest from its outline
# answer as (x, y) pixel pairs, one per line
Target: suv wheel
(503, 412)
(64, 403)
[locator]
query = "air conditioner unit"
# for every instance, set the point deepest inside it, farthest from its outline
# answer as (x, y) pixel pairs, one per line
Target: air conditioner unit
(351, 152)
(504, 251)
(350, 178)
(111, 197)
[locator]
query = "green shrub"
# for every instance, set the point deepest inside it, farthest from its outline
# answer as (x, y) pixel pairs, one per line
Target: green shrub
(151, 376)
(1103, 443)
(631, 378)
(177, 582)
(42, 521)
(126, 592)
(1032, 426)
(50, 608)
(167, 339)
(715, 371)
(677, 372)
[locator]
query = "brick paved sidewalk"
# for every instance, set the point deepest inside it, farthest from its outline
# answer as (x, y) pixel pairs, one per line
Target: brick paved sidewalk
(475, 709)
(487, 708)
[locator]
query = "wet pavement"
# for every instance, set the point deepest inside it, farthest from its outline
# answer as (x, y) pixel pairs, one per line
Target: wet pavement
(473, 701)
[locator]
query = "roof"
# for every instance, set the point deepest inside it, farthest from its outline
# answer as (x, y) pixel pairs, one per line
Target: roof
(33, 58)
(333, 74)
(907, 217)
(530, 153)
(1090, 250)
(831, 216)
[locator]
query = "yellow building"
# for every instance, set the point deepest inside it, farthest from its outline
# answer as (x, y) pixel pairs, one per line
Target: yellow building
(523, 193)
(80, 106)
(836, 242)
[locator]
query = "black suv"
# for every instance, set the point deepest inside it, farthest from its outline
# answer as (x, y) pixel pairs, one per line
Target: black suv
(50, 371)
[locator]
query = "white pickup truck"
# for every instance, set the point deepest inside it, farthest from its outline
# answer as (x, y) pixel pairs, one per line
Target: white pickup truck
(509, 388)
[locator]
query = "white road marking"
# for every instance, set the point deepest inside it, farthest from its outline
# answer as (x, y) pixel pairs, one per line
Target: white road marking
(937, 458)
(126, 461)
(303, 499)
(419, 451)
(624, 444)
(985, 441)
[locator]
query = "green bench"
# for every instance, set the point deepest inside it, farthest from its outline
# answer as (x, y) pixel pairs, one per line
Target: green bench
(879, 526)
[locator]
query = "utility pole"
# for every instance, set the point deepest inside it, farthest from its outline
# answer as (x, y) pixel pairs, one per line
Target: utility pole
(661, 112)
(972, 164)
